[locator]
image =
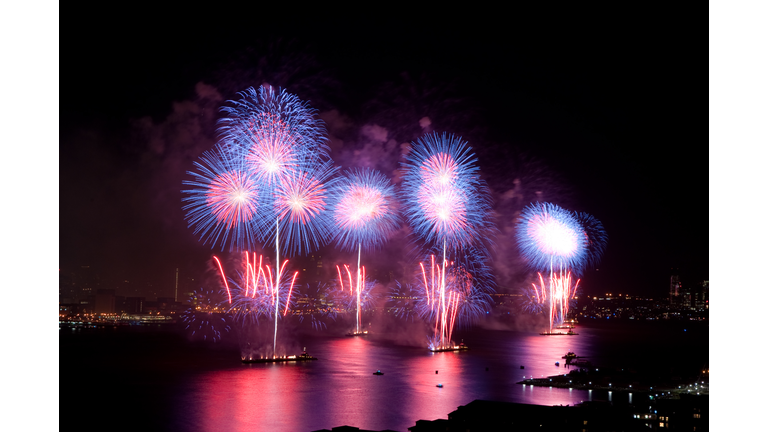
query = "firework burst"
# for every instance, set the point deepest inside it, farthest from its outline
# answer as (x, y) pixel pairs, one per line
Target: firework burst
(446, 201)
(596, 238)
(275, 132)
(282, 145)
(550, 237)
(564, 243)
(364, 209)
(224, 202)
(299, 210)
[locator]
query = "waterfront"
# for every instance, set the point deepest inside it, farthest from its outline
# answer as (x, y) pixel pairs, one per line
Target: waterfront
(154, 379)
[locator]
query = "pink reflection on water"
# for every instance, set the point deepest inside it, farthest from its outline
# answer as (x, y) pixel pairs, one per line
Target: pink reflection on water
(340, 387)
(251, 398)
(437, 402)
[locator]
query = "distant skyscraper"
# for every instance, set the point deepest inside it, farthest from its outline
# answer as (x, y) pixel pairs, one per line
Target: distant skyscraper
(700, 296)
(674, 289)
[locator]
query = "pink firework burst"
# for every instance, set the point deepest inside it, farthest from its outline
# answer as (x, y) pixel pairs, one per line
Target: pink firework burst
(440, 169)
(362, 206)
(274, 153)
(444, 206)
(300, 198)
(232, 198)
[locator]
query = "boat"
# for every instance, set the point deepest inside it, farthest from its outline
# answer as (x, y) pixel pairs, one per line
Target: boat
(292, 358)
(378, 372)
(360, 333)
(568, 333)
(459, 347)
(440, 385)
(557, 363)
(567, 325)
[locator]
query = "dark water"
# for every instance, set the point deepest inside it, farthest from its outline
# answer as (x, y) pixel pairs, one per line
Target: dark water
(155, 379)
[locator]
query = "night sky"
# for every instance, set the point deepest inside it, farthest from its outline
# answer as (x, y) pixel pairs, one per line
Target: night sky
(600, 116)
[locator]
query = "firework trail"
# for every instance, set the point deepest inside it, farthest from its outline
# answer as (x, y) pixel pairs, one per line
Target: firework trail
(364, 215)
(467, 288)
(534, 300)
(206, 316)
(253, 292)
(447, 205)
(224, 203)
(283, 146)
(353, 292)
(562, 293)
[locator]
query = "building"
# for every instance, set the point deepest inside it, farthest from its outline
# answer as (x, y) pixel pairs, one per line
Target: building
(134, 305)
(104, 301)
(674, 290)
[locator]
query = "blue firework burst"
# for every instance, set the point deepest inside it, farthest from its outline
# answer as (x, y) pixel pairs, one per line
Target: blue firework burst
(224, 202)
(551, 238)
(275, 132)
(446, 202)
(596, 239)
(363, 209)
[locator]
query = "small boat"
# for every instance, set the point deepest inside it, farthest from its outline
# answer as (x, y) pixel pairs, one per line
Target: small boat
(569, 333)
(522, 367)
(360, 333)
(557, 363)
(378, 372)
(440, 385)
(459, 347)
(291, 358)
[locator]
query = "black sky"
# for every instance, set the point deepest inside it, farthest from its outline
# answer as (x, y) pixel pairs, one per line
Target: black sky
(602, 113)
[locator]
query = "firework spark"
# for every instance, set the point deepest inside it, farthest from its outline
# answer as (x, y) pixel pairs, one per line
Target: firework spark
(596, 238)
(353, 292)
(559, 295)
(206, 318)
(253, 292)
(457, 295)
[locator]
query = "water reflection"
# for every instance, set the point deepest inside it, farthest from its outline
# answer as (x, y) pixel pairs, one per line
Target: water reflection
(341, 389)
